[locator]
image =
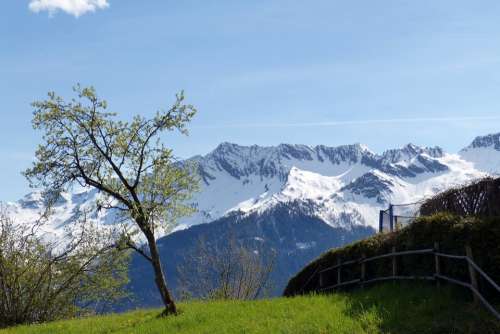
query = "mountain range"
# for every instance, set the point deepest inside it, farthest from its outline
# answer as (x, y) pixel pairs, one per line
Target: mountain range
(297, 200)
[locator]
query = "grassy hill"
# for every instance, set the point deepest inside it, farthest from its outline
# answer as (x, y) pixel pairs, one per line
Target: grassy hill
(451, 232)
(388, 308)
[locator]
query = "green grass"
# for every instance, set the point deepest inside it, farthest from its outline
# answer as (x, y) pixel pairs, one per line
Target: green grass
(388, 308)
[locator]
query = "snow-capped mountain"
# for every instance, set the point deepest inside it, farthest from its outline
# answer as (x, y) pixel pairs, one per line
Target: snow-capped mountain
(343, 186)
(484, 153)
(295, 201)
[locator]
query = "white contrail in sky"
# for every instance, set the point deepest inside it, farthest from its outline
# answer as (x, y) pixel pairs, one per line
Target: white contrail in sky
(350, 122)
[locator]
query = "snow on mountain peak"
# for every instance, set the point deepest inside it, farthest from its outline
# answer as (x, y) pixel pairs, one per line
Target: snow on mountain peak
(484, 153)
(345, 184)
(410, 151)
(302, 184)
(488, 141)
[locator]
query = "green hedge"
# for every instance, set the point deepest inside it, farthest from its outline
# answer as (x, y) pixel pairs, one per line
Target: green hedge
(450, 231)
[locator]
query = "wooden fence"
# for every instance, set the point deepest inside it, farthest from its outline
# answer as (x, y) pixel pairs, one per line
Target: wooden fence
(437, 275)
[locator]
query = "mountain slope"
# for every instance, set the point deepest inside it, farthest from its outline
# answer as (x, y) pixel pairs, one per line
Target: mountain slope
(484, 153)
(295, 200)
(337, 181)
(288, 231)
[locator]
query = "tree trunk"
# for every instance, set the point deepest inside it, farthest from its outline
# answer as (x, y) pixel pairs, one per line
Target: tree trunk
(160, 281)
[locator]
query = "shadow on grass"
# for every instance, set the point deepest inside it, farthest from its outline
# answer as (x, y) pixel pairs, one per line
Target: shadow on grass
(419, 307)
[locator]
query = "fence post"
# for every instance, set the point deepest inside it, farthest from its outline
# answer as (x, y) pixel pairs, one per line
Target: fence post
(472, 273)
(394, 263)
(437, 264)
(381, 221)
(363, 270)
(339, 276)
(391, 217)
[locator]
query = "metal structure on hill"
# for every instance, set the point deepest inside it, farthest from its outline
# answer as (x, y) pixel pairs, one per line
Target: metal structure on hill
(398, 216)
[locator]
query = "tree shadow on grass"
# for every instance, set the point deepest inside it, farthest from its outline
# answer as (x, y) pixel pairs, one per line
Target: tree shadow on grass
(418, 307)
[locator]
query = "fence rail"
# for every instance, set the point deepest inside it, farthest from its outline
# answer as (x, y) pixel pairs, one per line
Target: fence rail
(435, 276)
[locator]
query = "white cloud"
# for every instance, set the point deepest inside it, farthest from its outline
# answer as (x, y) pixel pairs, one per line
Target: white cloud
(73, 7)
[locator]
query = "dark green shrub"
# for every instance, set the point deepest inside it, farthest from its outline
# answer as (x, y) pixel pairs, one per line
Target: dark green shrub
(450, 231)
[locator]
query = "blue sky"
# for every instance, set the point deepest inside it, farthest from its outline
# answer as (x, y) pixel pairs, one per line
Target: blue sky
(383, 73)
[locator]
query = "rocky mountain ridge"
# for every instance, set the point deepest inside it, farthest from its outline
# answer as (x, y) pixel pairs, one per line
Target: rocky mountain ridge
(345, 184)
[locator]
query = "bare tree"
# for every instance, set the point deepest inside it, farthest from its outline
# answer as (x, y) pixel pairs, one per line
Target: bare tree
(478, 198)
(229, 271)
(43, 280)
(126, 161)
